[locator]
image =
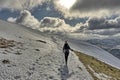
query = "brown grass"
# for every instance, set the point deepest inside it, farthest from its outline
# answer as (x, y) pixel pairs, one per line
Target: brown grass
(4, 43)
(98, 66)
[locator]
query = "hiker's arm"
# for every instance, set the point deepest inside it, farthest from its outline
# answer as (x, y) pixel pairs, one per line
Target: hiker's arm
(71, 49)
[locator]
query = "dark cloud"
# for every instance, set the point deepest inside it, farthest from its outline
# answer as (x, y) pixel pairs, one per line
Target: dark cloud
(103, 23)
(89, 5)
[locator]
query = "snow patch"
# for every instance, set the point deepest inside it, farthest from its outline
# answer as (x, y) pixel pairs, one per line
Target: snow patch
(100, 76)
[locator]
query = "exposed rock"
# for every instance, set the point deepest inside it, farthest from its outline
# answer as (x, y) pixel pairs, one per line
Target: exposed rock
(6, 61)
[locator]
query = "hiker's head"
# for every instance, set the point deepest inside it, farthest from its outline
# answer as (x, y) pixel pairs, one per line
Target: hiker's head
(66, 42)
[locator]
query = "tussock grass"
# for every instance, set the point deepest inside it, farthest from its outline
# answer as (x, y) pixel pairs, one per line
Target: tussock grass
(98, 66)
(4, 43)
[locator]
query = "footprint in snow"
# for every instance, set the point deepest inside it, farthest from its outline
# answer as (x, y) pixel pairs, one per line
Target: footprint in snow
(17, 77)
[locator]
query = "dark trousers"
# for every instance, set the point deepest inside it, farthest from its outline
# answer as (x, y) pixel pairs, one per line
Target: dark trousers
(66, 56)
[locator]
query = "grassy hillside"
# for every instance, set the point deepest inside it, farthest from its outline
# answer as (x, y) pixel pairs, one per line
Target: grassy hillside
(99, 70)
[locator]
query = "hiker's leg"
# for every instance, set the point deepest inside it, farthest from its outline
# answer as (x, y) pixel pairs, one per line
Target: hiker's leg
(66, 57)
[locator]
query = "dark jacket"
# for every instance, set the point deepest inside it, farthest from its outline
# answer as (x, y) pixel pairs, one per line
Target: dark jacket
(66, 48)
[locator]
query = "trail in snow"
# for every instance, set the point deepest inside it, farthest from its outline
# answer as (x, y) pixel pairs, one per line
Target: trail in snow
(74, 69)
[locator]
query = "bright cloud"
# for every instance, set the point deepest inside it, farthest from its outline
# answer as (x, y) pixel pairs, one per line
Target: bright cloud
(28, 20)
(47, 24)
(11, 19)
(56, 25)
(19, 4)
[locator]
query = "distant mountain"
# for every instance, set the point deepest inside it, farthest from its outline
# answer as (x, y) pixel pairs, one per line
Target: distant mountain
(115, 52)
(109, 45)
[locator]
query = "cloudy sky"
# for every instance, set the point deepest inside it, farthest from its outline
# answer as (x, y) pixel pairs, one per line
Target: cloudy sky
(97, 17)
(79, 8)
(73, 6)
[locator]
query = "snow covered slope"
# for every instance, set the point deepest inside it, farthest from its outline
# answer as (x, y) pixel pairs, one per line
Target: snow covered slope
(36, 56)
(96, 52)
(41, 56)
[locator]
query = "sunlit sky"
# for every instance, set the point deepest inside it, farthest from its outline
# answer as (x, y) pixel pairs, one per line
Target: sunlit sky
(67, 3)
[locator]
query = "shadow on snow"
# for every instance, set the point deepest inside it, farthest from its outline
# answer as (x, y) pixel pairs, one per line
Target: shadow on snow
(64, 71)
